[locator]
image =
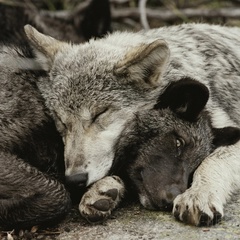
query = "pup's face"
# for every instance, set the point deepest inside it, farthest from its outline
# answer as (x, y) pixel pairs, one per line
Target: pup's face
(164, 146)
(168, 151)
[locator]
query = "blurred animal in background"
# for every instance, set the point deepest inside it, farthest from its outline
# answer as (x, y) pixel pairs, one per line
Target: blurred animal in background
(91, 18)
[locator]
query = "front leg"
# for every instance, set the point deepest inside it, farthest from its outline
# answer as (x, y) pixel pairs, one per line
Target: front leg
(102, 198)
(213, 182)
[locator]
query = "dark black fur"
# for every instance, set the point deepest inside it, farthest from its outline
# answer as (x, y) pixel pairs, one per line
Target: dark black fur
(31, 157)
(164, 146)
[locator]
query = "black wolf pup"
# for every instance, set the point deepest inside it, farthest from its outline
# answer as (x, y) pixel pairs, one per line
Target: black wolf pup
(164, 146)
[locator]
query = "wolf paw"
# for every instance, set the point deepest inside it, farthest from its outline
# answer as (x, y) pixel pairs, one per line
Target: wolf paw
(101, 199)
(198, 207)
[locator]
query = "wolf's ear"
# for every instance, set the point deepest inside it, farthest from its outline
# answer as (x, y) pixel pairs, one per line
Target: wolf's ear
(186, 97)
(225, 136)
(144, 63)
(45, 46)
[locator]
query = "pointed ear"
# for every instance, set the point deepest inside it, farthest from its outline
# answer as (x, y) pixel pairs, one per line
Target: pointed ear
(186, 97)
(45, 46)
(144, 63)
(225, 136)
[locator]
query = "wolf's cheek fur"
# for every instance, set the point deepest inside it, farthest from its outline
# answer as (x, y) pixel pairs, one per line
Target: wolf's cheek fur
(91, 150)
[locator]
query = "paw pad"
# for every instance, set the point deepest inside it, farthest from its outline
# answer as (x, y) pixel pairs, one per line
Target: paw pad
(95, 218)
(102, 205)
(112, 193)
(101, 199)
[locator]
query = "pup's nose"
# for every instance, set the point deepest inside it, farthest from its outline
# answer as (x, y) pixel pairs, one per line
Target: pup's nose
(171, 192)
(79, 179)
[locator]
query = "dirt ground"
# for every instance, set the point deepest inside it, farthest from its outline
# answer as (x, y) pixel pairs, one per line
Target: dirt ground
(132, 222)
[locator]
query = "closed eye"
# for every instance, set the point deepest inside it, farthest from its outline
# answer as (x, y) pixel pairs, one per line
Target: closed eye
(94, 119)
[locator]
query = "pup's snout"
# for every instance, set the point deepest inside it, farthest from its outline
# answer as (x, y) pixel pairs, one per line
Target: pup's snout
(167, 196)
(79, 179)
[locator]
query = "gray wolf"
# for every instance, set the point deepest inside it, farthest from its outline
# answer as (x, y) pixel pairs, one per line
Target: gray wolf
(119, 77)
(164, 146)
(93, 91)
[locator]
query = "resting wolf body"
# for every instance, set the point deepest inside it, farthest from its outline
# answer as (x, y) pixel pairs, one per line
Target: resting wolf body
(92, 91)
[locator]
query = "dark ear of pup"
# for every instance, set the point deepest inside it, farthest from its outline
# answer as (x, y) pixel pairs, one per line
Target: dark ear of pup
(185, 97)
(225, 136)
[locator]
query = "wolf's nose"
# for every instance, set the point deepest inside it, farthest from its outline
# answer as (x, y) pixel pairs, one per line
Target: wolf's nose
(79, 179)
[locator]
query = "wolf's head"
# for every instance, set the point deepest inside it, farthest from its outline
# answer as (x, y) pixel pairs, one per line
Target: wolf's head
(92, 91)
(163, 146)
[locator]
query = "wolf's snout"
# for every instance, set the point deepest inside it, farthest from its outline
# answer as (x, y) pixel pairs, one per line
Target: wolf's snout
(79, 179)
